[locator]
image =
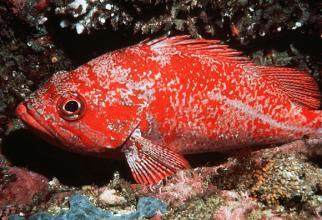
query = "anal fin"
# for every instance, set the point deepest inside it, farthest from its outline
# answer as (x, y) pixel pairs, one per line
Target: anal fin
(149, 162)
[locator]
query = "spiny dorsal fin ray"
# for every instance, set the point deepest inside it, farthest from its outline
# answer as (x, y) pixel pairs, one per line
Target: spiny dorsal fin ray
(213, 48)
(297, 84)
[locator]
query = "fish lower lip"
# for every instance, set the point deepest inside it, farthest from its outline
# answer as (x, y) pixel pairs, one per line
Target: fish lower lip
(27, 118)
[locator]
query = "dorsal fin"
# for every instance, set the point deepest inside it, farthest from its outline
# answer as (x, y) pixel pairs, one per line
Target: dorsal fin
(299, 85)
(213, 48)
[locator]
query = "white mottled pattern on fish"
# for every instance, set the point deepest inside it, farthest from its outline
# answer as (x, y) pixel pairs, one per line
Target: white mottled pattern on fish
(181, 96)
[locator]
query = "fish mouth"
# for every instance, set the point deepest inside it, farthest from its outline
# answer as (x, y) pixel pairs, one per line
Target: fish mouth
(59, 137)
(27, 117)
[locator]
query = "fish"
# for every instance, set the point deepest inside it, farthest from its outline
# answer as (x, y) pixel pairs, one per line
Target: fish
(155, 102)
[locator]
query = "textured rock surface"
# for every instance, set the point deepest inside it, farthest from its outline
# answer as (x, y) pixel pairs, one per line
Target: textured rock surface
(245, 20)
(263, 183)
(21, 187)
(81, 208)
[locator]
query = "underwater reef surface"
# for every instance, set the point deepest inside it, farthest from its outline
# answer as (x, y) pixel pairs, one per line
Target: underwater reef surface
(81, 208)
(40, 37)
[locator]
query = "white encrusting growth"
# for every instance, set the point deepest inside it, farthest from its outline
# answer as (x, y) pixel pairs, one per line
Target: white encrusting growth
(64, 23)
(79, 28)
(108, 6)
(82, 4)
(297, 25)
(80, 8)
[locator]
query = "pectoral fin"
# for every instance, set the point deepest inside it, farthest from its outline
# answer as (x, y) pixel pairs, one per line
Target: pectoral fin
(150, 162)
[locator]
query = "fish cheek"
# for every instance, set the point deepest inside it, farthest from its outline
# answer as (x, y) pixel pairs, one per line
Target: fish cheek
(120, 124)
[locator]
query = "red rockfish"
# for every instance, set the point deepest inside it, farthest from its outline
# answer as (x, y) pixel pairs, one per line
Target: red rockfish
(159, 100)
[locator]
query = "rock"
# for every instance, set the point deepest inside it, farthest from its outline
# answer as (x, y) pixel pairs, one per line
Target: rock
(23, 187)
(82, 208)
(111, 197)
(241, 206)
(275, 180)
(148, 206)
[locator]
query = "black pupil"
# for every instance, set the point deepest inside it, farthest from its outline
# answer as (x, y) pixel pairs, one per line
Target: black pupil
(71, 106)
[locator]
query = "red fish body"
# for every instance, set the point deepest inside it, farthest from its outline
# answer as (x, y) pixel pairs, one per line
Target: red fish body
(159, 100)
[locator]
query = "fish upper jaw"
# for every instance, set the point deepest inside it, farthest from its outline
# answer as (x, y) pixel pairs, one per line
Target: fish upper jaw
(29, 116)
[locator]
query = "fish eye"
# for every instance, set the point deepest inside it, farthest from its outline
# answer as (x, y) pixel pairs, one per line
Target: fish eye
(71, 106)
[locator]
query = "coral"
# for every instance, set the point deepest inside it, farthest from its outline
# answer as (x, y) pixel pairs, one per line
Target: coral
(180, 188)
(292, 54)
(121, 187)
(29, 11)
(111, 197)
(27, 57)
(22, 186)
(281, 179)
(117, 196)
(20, 189)
(201, 208)
(290, 182)
(93, 15)
(242, 206)
(81, 208)
(243, 20)
(274, 180)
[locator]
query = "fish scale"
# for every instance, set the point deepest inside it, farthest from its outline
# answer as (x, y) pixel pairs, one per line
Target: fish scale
(156, 101)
